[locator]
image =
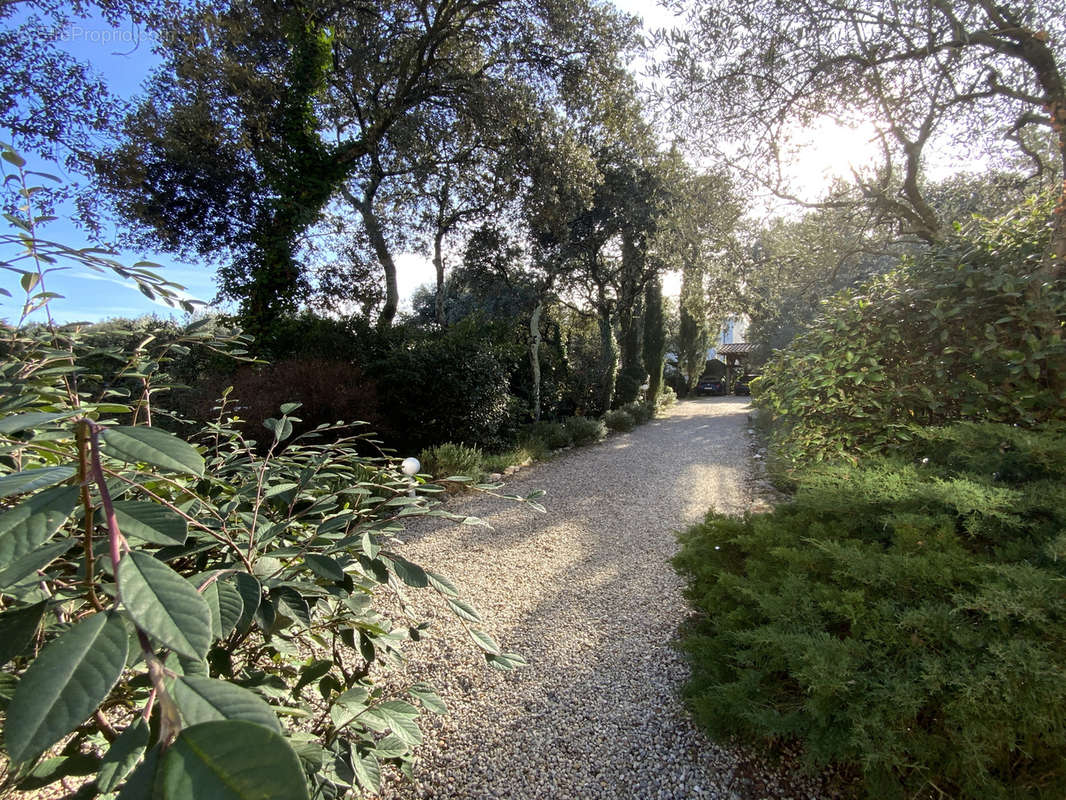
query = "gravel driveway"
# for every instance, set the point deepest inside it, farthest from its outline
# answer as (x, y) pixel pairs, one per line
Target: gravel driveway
(586, 594)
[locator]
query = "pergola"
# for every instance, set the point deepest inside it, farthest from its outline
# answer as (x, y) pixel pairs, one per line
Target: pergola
(734, 354)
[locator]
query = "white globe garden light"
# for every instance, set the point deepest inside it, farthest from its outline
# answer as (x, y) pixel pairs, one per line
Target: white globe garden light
(410, 467)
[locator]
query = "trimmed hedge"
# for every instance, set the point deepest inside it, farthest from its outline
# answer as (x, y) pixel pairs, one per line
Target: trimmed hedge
(903, 617)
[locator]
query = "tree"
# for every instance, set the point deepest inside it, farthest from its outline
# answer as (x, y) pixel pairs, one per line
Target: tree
(692, 338)
(263, 113)
(697, 237)
(654, 339)
(969, 74)
(798, 262)
(52, 105)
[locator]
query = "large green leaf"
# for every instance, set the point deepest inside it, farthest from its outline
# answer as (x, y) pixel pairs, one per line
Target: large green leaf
(230, 760)
(65, 684)
(33, 419)
(33, 521)
(122, 756)
(139, 786)
(226, 605)
(324, 567)
(367, 771)
(430, 699)
(153, 446)
(17, 629)
(150, 522)
(442, 585)
(165, 605)
(251, 593)
(30, 479)
(397, 715)
(22, 568)
(409, 573)
(292, 604)
(206, 699)
(484, 641)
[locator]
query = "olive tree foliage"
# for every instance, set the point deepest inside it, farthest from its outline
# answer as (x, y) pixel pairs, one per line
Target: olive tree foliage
(964, 77)
(200, 615)
(796, 263)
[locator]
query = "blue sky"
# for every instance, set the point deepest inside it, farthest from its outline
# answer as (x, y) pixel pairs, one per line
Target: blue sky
(124, 57)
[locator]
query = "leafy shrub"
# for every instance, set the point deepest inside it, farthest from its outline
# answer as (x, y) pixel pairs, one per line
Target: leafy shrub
(674, 381)
(536, 447)
(627, 384)
(183, 594)
(667, 397)
(555, 435)
(585, 430)
(448, 459)
(964, 333)
(438, 388)
(904, 618)
(640, 412)
(619, 420)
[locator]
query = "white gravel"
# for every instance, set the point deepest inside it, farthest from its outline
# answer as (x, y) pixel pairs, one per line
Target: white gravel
(586, 594)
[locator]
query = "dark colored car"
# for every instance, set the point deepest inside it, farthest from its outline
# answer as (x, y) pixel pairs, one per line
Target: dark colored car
(742, 384)
(713, 386)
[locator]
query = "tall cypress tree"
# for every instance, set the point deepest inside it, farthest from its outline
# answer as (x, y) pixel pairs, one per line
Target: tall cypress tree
(654, 345)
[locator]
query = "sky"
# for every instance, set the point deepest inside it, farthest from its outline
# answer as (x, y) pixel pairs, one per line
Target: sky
(124, 57)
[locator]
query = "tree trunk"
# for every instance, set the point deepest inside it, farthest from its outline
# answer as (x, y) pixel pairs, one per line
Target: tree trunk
(438, 264)
(534, 357)
(376, 235)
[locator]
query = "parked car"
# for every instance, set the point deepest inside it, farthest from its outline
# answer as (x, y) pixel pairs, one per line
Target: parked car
(742, 384)
(712, 386)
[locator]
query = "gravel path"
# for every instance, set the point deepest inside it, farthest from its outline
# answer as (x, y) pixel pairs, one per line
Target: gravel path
(585, 593)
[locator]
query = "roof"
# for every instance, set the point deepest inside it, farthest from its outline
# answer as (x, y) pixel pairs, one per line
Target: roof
(735, 349)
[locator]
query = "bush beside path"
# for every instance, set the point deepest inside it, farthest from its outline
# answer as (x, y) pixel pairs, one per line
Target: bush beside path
(586, 594)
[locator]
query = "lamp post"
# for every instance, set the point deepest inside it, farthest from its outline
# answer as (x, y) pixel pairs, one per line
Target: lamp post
(410, 468)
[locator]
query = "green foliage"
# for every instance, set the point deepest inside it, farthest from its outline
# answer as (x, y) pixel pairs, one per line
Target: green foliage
(186, 592)
(619, 420)
(640, 412)
(654, 339)
(442, 387)
(627, 384)
(903, 617)
(535, 447)
(518, 456)
(667, 397)
(965, 332)
(555, 435)
(450, 459)
(585, 430)
(327, 390)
